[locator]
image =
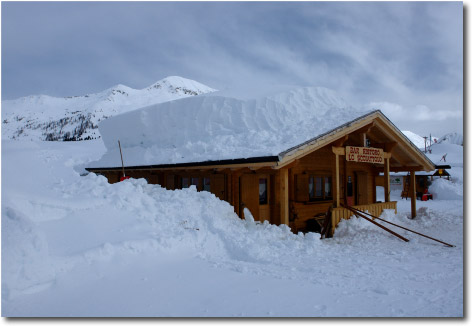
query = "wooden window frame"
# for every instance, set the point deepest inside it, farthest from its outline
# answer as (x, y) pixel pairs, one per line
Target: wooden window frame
(266, 190)
(182, 182)
(203, 183)
(198, 178)
(323, 176)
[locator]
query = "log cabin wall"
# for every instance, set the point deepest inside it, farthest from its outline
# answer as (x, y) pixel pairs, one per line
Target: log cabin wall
(263, 205)
(321, 165)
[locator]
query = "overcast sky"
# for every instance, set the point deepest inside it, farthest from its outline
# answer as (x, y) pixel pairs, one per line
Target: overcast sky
(405, 58)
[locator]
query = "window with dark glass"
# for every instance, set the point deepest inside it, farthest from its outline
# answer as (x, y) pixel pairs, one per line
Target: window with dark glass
(319, 188)
(262, 191)
(194, 182)
(206, 184)
(327, 187)
(185, 182)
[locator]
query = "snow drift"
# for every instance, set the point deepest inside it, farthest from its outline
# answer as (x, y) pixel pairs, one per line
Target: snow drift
(134, 249)
(222, 126)
(445, 189)
(26, 265)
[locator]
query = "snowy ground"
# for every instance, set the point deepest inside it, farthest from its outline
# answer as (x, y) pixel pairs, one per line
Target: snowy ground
(78, 246)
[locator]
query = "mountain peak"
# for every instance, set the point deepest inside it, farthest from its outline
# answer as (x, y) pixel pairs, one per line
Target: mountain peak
(181, 85)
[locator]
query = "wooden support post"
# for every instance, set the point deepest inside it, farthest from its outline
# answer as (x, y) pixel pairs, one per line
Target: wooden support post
(387, 176)
(284, 198)
(235, 192)
(337, 182)
(338, 151)
(163, 182)
(413, 194)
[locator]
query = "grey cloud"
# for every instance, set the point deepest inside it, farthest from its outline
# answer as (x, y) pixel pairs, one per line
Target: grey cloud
(406, 53)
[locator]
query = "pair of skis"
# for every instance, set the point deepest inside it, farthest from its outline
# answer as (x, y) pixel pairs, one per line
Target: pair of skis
(364, 215)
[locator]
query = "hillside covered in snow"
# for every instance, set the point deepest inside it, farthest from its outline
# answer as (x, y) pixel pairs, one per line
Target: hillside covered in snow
(42, 117)
(419, 140)
(452, 138)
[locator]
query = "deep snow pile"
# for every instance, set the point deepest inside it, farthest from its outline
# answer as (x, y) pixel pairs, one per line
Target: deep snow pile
(222, 125)
(78, 246)
(445, 189)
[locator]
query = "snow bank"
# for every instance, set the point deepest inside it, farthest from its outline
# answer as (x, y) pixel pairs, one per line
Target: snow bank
(26, 265)
(446, 189)
(184, 219)
(215, 127)
(134, 249)
(155, 219)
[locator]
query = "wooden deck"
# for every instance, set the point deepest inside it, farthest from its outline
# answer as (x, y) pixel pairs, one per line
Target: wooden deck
(374, 209)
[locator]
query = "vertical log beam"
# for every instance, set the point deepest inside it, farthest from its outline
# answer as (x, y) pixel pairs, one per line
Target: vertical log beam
(413, 194)
(235, 192)
(284, 198)
(337, 182)
(387, 176)
(338, 151)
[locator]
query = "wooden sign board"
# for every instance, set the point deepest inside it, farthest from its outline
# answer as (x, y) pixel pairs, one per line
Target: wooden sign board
(364, 154)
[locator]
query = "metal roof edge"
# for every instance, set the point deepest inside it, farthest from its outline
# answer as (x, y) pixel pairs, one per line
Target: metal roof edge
(334, 130)
(258, 159)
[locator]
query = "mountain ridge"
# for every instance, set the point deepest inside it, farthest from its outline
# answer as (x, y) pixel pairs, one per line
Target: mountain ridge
(44, 117)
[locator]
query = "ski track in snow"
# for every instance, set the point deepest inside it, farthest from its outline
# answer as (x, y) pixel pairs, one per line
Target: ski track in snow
(78, 246)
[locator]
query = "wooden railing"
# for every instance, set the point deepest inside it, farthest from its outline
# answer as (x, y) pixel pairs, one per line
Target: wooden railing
(374, 209)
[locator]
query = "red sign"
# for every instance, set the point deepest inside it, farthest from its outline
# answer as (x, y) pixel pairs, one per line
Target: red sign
(364, 154)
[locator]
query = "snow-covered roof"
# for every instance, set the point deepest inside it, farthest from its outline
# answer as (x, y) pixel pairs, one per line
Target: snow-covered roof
(223, 125)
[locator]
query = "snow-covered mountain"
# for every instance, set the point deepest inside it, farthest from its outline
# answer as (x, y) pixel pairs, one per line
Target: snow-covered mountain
(452, 138)
(42, 117)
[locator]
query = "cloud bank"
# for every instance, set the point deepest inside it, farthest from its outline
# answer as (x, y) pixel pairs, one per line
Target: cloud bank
(408, 53)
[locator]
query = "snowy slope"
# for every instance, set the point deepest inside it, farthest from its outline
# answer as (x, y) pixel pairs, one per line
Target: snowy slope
(78, 246)
(418, 140)
(75, 118)
(221, 126)
(452, 138)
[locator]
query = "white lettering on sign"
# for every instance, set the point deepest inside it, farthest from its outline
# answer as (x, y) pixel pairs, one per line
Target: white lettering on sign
(364, 154)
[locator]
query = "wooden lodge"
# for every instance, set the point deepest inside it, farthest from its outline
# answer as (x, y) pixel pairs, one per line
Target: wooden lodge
(335, 168)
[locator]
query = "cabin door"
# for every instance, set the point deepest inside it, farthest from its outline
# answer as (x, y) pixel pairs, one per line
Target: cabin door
(217, 185)
(362, 191)
(254, 194)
